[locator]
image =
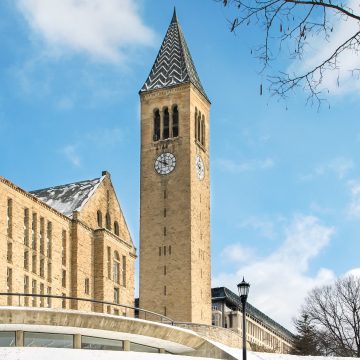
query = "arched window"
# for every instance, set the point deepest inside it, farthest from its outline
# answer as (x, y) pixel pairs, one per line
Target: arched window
(203, 130)
(116, 228)
(156, 136)
(196, 120)
(199, 127)
(175, 121)
(108, 221)
(166, 124)
(116, 268)
(99, 218)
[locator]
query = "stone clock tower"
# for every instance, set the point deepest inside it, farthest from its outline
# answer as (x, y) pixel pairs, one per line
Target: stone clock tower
(175, 274)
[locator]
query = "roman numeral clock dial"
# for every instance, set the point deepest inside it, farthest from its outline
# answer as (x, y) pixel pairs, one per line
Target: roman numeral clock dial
(165, 163)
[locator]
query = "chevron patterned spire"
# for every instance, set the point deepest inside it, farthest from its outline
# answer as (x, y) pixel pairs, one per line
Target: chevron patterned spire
(173, 64)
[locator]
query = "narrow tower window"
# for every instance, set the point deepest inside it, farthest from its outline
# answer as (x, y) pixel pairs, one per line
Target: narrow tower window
(175, 122)
(203, 130)
(156, 125)
(26, 227)
(199, 127)
(99, 218)
(166, 124)
(196, 121)
(108, 221)
(9, 217)
(116, 228)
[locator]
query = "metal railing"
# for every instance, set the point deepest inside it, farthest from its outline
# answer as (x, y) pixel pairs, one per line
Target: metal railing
(147, 314)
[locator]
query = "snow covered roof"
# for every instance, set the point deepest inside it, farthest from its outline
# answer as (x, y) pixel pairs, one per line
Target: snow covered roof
(70, 197)
(173, 64)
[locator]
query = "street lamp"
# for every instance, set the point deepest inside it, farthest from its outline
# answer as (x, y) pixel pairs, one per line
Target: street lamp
(243, 289)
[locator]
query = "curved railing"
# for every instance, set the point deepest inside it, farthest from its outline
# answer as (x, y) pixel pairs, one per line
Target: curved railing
(147, 314)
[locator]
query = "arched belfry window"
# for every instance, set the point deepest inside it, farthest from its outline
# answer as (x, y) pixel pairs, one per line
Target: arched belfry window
(116, 228)
(108, 221)
(203, 130)
(99, 218)
(156, 136)
(196, 121)
(175, 121)
(166, 124)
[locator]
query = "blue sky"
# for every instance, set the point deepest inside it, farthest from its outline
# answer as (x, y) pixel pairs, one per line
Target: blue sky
(285, 180)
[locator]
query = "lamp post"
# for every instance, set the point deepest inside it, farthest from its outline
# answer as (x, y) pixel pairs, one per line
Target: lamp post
(243, 289)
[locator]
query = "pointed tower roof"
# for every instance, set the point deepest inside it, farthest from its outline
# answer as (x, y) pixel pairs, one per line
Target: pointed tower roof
(173, 64)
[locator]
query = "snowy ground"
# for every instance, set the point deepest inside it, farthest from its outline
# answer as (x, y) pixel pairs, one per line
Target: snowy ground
(73, 354)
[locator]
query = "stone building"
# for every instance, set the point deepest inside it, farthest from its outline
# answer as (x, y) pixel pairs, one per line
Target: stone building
(70, 240)
(175, 186)
(262, 332)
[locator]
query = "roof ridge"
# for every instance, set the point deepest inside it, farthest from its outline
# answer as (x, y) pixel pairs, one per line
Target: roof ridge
(58, 186)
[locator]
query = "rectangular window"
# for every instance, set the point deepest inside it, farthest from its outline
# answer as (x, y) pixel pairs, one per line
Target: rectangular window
(164, 289)
(169, 249)
(63, 248)
(63, 304)
(164, 250)
(34, 263)
(26, 290)
(9, 285)
(48, 300)
(9, 217)
(42, 236)
(164, 212)
(164, 269)
(34, 339)
(42, 267)
(116, 295)
(164, 230)
(87, 286)
(26, 259)
(124, 270)
(42, 289)
(63, 278)
(49, 239)
(159, 250)
(94, 343)
(49, 271)
(165, 194)
(33, 290)
(109, 262)
(9, 252)
(26, 227)
(34, 231)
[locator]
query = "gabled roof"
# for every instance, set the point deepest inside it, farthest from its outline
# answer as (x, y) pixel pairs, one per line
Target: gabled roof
(233, 301)
(70, 197)
(173, 64)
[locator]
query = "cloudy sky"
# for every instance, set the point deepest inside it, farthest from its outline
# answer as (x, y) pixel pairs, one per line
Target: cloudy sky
(285, 192)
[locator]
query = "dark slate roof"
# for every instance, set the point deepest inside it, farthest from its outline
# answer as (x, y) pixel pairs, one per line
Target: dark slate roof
(233, 301)
(68, 198)
(173, 64)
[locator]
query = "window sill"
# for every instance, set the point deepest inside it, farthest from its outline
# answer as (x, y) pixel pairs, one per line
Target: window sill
(200, 145)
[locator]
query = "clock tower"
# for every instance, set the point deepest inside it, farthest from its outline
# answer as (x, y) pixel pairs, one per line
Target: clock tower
(175, 274)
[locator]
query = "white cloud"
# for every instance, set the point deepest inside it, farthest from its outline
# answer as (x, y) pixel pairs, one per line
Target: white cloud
(245, 166)
(237, 253)
(70, 152)
(264, 227)
(340, 81)
(340, 166)
(354, 206)
(102, 29)
(280, 281)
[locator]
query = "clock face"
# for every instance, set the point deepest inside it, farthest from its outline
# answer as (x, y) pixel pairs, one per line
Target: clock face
(200, 168)
(165, 163)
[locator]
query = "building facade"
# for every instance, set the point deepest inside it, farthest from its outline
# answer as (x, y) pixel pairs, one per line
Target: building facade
(70, 240)
(262, 332)
(175, 186)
